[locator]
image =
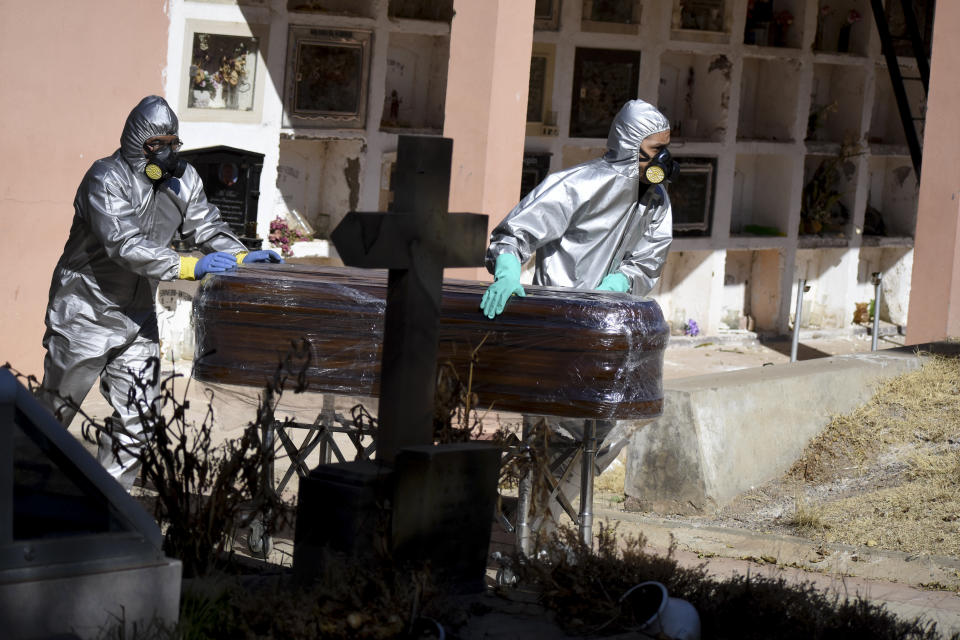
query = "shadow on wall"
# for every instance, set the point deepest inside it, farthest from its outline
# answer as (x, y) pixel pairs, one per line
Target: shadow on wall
(824, 305)
(684, 274)
(318, 181)
(895, 264)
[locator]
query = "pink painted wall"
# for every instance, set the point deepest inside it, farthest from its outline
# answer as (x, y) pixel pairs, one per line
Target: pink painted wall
(486, 108)
(72, 71)
(935, 288)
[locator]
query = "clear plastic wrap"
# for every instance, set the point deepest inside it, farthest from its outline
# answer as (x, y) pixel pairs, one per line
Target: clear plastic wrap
(557, 351)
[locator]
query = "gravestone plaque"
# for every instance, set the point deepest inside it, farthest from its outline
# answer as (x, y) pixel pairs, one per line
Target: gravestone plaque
(231, 182)
(691, 196)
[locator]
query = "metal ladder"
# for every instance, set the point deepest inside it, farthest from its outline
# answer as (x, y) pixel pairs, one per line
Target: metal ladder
(897, 79)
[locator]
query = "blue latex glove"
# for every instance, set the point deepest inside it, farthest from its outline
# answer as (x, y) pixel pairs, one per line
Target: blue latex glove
(214, 263)
(615, 282)
(506, 283)
(262, 256)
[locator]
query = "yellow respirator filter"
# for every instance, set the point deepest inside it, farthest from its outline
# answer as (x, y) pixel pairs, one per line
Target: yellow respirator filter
(154, 172)
(655, 174)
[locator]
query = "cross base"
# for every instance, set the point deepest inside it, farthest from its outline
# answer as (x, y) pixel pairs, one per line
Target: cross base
(431, 509)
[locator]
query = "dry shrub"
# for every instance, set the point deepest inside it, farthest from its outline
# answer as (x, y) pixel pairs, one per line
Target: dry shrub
(349, 600)
(807, 517)
(582, 588)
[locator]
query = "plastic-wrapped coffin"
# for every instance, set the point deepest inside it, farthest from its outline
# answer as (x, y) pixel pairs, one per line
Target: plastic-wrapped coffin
(560, 352)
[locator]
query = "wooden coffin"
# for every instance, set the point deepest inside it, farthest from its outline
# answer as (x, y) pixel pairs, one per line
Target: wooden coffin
(559, 352)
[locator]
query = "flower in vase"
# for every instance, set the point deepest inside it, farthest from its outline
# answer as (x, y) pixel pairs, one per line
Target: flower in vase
(690, 328)
(200, 79)
(783, 18)
(854, 16)
(825, 12)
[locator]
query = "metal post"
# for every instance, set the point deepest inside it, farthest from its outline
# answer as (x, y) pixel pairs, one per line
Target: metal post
(327, 421)
(587, 463)
(877, 277)
(797, 315)
(524, 532)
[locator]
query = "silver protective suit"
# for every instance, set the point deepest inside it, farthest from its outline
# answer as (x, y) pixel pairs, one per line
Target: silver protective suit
(100, 317)
(582, 224)
(596, 218)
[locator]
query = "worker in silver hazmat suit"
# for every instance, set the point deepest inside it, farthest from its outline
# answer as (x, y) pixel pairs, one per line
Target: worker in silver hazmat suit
(100, 317)
(604, 225)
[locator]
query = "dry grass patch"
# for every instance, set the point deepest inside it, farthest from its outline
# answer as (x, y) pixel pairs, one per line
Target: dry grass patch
(921, 515)
(922, 406)
(612, 479)
(906, 443)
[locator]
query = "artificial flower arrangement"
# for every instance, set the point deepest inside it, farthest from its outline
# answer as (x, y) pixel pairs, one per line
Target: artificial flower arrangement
(223, 77)
(282, 236)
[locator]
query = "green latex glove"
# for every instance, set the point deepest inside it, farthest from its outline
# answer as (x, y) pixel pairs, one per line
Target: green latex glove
(615, 282)
(506, 283)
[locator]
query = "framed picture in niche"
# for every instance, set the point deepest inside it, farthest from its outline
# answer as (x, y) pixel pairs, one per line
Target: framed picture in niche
(327, 76)
(541, 119)
(360, 8)
(223, 72)
(611, 16)
(436, 10)
(546, 15)
(691, 195)
(536, 167)
(254, 3)
(700, 15)
(603, 80)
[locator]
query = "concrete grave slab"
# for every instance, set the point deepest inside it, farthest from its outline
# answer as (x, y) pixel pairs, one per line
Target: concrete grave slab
(78, 555)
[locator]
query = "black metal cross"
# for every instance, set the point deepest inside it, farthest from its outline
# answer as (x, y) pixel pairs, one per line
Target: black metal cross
(415, 240)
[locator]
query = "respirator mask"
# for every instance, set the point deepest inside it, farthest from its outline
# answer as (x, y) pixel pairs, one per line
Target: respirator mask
(662, 167)
(162, 160)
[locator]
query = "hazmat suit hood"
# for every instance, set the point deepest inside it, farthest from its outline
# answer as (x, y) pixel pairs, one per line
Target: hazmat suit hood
(635, 121)
(151, 117)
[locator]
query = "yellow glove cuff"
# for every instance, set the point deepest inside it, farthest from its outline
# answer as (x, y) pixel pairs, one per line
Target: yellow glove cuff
(240, 256)
(187, 265)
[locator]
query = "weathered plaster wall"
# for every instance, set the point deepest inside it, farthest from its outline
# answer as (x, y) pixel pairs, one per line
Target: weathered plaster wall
(895, 263)
(318, 179)
(72, 71)
(689, 281)
(829, 274)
